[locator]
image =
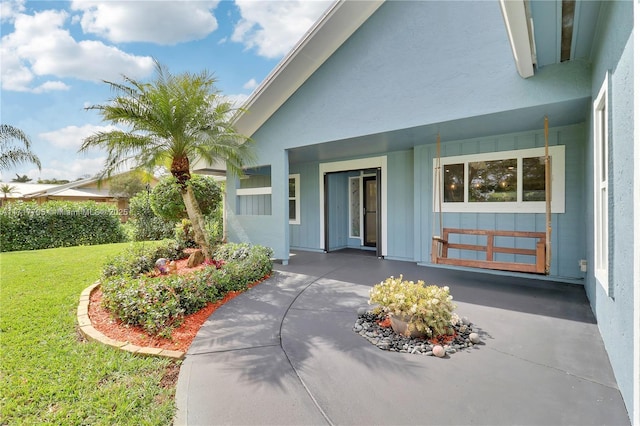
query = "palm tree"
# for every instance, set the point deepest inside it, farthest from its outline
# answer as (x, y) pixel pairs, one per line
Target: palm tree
(176, 120)
(12, 154)
(7, 190)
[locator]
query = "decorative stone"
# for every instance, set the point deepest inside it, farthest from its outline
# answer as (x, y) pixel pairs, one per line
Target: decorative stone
(173, 267)
(474, 338)
(196, 258)
(161, 265)
(438, 351)
(465, 320)
(362, 311)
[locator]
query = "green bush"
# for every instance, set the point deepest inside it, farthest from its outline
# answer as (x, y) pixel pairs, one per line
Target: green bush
(427, 309)
(139, 259)
(166, 199)
(32, 226)
(146, 225)
(159, 304)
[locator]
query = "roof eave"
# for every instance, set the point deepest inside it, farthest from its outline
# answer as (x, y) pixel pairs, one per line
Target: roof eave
(337, 24)
(515, 18)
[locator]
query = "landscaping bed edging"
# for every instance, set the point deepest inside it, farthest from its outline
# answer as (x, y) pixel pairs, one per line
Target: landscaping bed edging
(87, 329)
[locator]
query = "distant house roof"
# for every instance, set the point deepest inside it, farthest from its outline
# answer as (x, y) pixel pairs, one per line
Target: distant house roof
(83, 188)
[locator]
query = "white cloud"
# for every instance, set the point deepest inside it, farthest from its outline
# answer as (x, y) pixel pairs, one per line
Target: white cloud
(79, 167)
(40, 46)
(251, 84)
(161, 22)
(71, 137)
(10, 8)
(274, 27)
(235, 100)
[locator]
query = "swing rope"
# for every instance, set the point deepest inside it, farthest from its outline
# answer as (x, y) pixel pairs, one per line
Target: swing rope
(438, 179)
(547, 196)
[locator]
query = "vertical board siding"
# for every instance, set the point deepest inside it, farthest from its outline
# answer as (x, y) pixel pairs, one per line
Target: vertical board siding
(306, 234)
(255, 205)
(338, 217)
(400, 205)
(568, 229)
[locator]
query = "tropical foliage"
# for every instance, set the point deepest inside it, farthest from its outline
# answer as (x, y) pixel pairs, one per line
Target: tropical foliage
(158, 304)
(167, 202)
(32, 226)
(174, 120)
(15, 148)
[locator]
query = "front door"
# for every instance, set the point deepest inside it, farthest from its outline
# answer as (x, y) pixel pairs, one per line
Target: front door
(370, 211)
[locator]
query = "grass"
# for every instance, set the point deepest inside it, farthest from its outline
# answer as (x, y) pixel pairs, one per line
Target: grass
(48, 373)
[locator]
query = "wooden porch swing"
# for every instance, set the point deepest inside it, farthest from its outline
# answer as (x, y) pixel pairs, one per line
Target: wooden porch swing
(441, 244)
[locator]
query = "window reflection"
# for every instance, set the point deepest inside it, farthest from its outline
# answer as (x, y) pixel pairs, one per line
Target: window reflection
(453, 182)
(533, 181)
(493, 181)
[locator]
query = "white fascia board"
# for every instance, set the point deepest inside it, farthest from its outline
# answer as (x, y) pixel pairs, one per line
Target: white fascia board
(515, 20)
(338, 23)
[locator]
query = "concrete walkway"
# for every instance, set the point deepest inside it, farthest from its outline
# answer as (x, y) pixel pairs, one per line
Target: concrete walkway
(284, 353)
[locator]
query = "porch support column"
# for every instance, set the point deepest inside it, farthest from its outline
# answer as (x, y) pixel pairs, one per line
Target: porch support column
(636, 215)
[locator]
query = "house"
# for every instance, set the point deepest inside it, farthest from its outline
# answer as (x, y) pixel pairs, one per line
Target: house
(347, 129)
(90, 189)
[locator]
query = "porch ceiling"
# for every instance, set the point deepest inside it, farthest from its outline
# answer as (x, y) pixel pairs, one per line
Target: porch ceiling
(526, 119)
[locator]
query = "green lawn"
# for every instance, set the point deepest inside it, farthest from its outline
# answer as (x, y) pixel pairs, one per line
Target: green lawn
(48, 373)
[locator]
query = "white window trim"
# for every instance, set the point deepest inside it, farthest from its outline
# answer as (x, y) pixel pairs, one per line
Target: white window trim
(264, 190)
(600, 202)
(296, 178)
(557, 154)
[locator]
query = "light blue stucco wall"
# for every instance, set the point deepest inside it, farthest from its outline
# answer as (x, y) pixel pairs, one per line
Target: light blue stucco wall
(613, 52)
(455, 62)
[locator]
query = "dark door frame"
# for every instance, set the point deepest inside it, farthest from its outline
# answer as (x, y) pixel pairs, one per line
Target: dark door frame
(378, 208)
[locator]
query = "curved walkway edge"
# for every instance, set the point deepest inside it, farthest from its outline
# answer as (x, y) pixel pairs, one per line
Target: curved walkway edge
(87, 329)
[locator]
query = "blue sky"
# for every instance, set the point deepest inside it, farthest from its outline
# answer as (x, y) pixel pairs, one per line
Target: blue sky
(55, 54)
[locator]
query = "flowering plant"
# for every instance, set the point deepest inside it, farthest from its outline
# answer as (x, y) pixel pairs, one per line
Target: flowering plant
(427, 309)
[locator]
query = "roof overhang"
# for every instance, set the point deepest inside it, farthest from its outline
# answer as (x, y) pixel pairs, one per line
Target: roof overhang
(337, 24)
(520, 32)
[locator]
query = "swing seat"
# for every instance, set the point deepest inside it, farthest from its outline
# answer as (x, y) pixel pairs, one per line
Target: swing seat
(440, 247)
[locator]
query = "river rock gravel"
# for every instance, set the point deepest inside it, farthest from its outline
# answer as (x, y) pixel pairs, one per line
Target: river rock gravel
(368, 326)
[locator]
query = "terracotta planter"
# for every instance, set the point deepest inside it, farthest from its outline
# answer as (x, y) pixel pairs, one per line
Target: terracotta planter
(403, 327)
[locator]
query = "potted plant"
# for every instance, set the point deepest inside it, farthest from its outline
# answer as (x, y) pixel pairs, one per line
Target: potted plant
(414, 309)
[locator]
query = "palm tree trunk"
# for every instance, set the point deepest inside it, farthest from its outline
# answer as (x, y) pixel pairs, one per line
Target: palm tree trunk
(181, 170)
(197, 221)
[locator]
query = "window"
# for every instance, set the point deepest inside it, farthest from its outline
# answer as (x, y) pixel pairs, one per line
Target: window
(354, 207)
(254, 192)
(502, 182)
(600, 187)
(294, 199)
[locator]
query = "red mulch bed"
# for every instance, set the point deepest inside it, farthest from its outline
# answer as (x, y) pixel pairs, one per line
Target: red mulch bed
(181, 337)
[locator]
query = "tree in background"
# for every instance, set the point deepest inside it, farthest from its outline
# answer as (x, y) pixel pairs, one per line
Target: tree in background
(21, 179)
(15, 148)
(176, 120)
(127, 185)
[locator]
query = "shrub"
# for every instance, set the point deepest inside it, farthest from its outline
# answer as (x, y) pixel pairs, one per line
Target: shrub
(427, 309)
(31, 226)
(159, 304)
(166, 199)
(146, 225)
(140, 259)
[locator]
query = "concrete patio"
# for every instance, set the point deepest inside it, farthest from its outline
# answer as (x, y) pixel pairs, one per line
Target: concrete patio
(284, 353)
